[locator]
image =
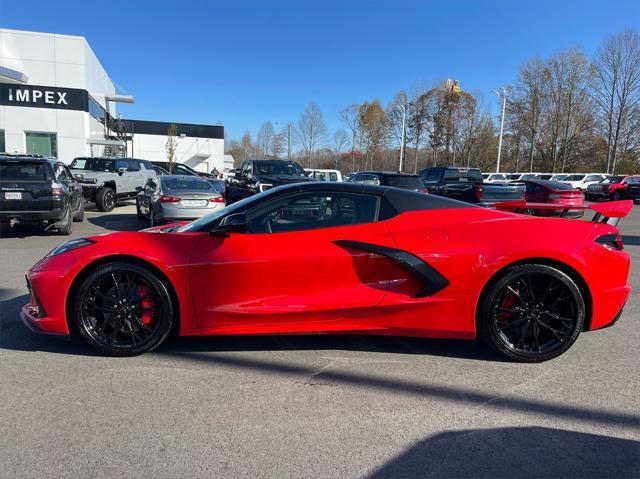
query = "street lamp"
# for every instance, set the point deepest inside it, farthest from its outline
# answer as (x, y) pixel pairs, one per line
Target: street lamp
(404, 121)
(502, 93)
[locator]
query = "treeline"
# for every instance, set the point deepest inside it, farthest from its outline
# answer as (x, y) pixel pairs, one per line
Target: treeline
(565, 113)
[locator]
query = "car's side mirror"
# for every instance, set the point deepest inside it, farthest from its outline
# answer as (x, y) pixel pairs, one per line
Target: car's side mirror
(236, 223)
(121, 170)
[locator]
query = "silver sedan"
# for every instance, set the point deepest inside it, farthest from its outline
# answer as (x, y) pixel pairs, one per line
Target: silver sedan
(177, 197)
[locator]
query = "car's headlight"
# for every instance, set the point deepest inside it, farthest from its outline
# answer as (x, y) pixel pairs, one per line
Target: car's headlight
(69, 246)
(264, 186)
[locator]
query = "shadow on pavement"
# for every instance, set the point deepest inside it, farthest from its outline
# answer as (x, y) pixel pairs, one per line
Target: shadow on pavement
(118, 222)
(516, 452)
(15, 336)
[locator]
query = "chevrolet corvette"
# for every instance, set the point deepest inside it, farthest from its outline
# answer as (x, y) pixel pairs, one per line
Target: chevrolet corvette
(340, 258)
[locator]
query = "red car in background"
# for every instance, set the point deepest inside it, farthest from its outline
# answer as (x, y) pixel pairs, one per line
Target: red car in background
(553, 192)
(615, 188)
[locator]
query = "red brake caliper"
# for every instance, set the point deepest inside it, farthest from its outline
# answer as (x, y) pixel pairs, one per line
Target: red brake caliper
(146, 303)
(508, 302)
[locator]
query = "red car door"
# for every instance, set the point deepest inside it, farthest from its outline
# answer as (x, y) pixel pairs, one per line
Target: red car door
(286, 273)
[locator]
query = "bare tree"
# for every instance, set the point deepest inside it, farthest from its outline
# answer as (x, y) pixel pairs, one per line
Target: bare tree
(350, 117)
(617, 87)
(395, 116)
(171, 146)
(311, 130)
(340, 140)
(264, 139)
(374, 127)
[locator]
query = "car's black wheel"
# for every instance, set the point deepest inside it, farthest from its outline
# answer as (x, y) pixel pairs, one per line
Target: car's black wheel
(79, 215)
(615, 196)
(67, 229)
(106, 199)
(123, 309)
(532, 313)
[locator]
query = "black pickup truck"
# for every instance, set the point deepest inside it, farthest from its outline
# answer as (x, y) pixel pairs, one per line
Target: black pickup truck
(256, 176)
(39, 191)
(465, 184)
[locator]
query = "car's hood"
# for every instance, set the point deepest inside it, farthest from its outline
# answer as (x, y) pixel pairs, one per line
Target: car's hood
(282, 179)
(90, 174)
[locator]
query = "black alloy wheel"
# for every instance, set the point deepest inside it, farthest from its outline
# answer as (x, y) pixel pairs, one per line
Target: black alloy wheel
(123, 309)
(532, 313)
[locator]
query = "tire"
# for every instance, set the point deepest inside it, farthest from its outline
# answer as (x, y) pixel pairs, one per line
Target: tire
(531, 313)
(139, 214)
(67, 229)
(106, 199)
(615, 196)
(120, 289)
(79, 215)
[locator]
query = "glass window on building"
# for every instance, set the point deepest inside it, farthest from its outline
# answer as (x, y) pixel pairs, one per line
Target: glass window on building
(45, 144)
(3, 146)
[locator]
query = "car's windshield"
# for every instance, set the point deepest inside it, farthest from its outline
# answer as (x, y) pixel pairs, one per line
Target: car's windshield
(633, 179)
(198, 224)
(559, 177)
(94, 164)
(612, 179)
(462, 175)
(186, 183)
(514, 176)
(574, 178)
(278, 168)
(498, 176)
(403, 181)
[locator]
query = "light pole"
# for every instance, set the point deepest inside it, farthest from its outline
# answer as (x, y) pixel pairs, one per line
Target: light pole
(404, 121)
(503, 94)
(288, 139)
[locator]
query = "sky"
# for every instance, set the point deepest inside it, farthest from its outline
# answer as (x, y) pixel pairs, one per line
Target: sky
(241, 63)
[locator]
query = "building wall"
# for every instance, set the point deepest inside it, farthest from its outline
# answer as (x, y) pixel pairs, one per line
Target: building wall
(203, 154)
(58, 61)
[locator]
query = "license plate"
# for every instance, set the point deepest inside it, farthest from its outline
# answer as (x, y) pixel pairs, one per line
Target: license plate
(194, 203)
(13, 196)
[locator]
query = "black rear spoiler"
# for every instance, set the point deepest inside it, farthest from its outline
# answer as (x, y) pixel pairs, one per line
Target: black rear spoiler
(609, 212)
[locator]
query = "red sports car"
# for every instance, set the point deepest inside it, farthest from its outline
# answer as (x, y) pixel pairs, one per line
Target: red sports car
(341, 258)
(565, 196)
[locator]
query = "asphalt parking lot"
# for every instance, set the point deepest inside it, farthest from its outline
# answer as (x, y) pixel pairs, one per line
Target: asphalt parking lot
(310, 406)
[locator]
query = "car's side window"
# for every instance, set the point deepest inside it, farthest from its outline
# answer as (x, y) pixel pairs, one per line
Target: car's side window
(304, 211)
(133, 165)
(151, 186)
(61, 173)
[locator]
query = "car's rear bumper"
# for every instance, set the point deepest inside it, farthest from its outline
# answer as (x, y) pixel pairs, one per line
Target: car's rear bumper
(33, 217)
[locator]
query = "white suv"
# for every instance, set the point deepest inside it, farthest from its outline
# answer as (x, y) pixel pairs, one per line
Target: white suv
(582, 181)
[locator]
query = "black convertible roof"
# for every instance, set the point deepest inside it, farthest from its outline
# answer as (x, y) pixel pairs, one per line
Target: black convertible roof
(401, 200)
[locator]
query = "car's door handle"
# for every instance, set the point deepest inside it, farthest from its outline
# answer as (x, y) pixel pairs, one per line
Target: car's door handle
(430, 279)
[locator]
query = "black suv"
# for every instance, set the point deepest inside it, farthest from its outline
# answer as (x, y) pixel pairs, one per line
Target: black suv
(40, 191)
(256, 176)
(396, 179)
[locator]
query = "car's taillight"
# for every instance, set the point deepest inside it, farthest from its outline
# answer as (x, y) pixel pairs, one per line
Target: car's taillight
(423, 190)
(56, 191)
(216, 199)
(478, 192)
(613, 241)
(170, 199)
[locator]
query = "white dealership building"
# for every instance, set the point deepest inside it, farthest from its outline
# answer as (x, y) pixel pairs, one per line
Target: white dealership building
(57, 99)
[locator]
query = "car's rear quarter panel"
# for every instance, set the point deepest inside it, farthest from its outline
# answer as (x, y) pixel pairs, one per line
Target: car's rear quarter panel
(469, 246)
